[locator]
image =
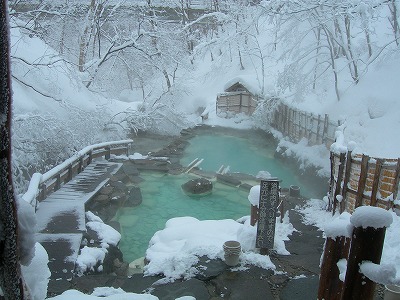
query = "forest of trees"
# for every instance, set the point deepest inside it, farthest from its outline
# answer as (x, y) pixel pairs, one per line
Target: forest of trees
(150, 52)
(141, 48)
(297, 47)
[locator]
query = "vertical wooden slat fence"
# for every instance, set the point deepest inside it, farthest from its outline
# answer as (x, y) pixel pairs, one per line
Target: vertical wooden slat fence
(363, 180)
(298, 124)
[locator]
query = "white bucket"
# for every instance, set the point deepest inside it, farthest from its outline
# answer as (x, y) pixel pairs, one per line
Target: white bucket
(392, 292)
(232, 250)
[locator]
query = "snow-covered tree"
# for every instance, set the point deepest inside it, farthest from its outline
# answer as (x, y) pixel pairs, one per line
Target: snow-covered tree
(11, 281)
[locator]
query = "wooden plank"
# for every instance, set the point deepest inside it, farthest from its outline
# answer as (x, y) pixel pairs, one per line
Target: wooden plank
(339, 179)
(375, 183)
(356, 285)
(325, 130)
(318, 129)
(332, 180)
(390, 204)
(346, 181)
(362, 180)
(330, 286)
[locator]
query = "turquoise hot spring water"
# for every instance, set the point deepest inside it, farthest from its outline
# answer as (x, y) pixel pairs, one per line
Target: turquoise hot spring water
(163, 198)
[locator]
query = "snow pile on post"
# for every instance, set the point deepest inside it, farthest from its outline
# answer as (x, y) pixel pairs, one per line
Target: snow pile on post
(254, 195)
(370, 216)
(339, 227)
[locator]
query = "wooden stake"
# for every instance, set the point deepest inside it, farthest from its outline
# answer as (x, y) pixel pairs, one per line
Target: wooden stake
(375, 183)
(330, 286)
(339, 179)
(346, 181)
(253, 215)
(366, 244)
(362, 180)
(396, 183)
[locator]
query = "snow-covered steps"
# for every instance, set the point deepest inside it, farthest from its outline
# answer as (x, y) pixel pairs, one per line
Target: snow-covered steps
(64, 210)
(63, 251)
(61, 217)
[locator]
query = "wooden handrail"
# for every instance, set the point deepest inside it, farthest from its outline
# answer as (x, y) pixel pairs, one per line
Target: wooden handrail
(42, 185)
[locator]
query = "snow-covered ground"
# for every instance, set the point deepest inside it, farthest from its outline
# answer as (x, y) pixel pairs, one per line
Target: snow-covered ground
(57, 102)
(315, 214)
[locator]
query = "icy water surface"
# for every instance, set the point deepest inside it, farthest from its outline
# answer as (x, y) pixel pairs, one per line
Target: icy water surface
(163, 198)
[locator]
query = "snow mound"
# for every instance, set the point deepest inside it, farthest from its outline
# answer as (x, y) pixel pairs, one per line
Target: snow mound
(370, 216)
(174, 250)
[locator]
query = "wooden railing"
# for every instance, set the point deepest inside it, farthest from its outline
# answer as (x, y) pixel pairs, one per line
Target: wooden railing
(42, 185)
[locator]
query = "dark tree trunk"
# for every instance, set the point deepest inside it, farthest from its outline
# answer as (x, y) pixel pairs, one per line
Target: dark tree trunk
(10, 271)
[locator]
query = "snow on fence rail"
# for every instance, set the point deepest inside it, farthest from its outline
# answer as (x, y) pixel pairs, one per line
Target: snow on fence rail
(298, 124)
(358, 180)
(43, 184)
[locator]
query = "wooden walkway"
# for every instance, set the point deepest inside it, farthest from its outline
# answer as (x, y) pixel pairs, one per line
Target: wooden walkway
(61, 217)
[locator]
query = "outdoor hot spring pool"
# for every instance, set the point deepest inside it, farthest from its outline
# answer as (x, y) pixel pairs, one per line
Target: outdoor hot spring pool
(163, 197)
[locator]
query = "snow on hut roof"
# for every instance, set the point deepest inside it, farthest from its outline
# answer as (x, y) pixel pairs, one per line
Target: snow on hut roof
(249, 82)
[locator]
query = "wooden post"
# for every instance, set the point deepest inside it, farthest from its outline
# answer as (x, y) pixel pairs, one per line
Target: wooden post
(311, 129)
(346, 180)
(90, 153)
(287, 120)
(253, 215)
(58, 182)
(330, 286)
(69, 176)
(396, 183)
(366, 245)
(375, 183)
(43, 192)
(362, 180)
(339, 179)
(332, 180)
(80, 165)
(325, 131)
(127, 149)
(318, 129)
(108, 153)
(240, 102)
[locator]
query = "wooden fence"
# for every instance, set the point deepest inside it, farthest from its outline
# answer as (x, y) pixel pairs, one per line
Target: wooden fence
(362, 180)
(42, 185)
(236, 102)
(296, 124)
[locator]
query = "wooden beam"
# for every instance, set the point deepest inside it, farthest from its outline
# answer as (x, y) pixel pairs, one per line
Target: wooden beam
(375, 183)
(362, 180)
(339, 179)
(346, 180)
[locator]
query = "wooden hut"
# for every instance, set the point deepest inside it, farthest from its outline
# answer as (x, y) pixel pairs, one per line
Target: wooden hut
(237, 98)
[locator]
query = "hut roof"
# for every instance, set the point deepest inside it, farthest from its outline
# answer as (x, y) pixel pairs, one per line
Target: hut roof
(248, 83)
